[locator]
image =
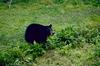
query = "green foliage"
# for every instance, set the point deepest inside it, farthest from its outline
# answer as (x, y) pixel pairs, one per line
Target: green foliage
(59, 1)
(76, 35)
(10, 56)
(92, 2)
(36, 51)
(96, 55)
(21, 54)
(73, 2)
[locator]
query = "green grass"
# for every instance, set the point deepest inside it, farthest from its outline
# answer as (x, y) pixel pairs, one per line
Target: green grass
(78, 24)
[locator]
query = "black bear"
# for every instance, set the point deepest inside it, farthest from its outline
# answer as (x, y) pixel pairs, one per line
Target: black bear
(38, 33)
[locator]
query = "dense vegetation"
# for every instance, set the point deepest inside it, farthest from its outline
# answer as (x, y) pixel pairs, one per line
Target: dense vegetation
(77, 33)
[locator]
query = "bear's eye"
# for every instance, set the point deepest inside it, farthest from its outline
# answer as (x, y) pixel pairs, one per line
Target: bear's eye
(50, 25)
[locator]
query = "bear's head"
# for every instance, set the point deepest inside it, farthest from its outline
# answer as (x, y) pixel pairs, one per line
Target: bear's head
(50, 30)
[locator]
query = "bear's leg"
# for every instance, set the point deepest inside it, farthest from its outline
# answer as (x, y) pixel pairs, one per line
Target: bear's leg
(31, 42)
(41, 40)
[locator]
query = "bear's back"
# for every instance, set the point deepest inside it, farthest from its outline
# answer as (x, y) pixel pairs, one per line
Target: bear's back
(36, 28)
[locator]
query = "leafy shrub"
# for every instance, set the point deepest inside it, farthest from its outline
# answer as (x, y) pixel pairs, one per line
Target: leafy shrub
(59, 1)
(72, 2)
(92, 2)
(9, 57)
(35, 50)
(76, 35)
(21, 54)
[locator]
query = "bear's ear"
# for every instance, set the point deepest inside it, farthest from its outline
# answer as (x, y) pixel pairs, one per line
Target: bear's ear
(50, 25)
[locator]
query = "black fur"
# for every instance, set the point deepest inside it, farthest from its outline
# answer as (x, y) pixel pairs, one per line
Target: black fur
(38, 33)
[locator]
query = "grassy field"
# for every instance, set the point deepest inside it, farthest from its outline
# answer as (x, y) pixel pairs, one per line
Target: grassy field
(77, 33)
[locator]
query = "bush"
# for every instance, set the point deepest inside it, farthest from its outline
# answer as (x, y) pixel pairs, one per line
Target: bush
(92, 2)
(76, 35)
(59, 1)
(21, 54)
(35, 50)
